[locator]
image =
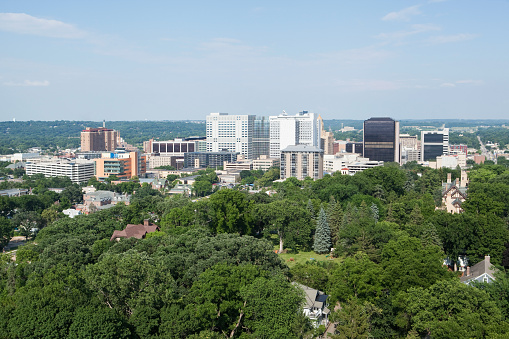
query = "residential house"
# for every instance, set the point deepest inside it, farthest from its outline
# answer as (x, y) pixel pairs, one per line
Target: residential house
(454, 193)
(315, 306)
(483, 271)
(135, 231)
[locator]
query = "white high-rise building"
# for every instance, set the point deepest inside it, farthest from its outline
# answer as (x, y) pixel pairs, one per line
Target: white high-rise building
(289, 130)
(233, 133)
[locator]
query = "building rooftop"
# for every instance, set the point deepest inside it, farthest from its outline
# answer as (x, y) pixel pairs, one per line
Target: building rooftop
(302, 148)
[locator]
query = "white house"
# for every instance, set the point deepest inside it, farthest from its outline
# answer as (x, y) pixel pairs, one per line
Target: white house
(315, 306)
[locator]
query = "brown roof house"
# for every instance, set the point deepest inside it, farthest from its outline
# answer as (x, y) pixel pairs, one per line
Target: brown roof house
(483, 271)
(135, 231)
(315, 305)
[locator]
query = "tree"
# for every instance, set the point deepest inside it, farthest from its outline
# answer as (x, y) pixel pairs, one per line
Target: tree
(322, 243)
(27, 223)
(6, 232)
(335, 218)
(287, 218)
(353, 319)
(356, 277)
(273, 308)
(438, 311)
(129, 280)
(406, 263)
(230, 212)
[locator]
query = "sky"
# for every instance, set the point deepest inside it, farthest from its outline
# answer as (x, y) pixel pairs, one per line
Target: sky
(180, 60)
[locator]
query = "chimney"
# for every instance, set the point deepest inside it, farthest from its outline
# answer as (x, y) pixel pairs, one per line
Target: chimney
(448, 178)
(145, 222)
(468, 271)
(487, 259)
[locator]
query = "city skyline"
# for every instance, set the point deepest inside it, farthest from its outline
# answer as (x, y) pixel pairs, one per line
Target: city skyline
(435, 59)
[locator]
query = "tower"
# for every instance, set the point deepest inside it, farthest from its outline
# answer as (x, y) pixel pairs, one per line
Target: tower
(381, 140)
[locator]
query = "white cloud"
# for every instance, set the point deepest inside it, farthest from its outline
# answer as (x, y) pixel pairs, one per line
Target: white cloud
(448, 84)
(415, 29)
(22, 23)
(470, 82)
(404, 14)
(28, 83)
(443, 39)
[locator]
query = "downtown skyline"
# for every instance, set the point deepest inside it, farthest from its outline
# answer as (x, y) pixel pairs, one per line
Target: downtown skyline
(170, 61)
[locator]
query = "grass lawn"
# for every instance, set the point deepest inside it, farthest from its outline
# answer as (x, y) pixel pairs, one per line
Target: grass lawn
(302, 257)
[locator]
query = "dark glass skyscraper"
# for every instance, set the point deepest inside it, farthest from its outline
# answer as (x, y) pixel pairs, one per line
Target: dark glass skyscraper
(381, 139)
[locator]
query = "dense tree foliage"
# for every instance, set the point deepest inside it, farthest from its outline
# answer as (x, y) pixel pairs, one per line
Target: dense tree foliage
(212, 270)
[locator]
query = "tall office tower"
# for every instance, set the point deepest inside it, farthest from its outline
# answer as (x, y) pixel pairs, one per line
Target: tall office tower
(261, 137)
(326, 138)
(99, 139)
(233, 133)
(381, 140)
(288, 130)
(434, 144)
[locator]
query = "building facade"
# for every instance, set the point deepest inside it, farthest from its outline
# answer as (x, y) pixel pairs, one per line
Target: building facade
(261, 137)
(99, 139)
(264, 163)
(381, 140)
(78, 170)
(301, 161)
(208, 159)
(326, 138)
(434, 144)
(289, 130)
(347, 163)
(124, 165)
(230, 133)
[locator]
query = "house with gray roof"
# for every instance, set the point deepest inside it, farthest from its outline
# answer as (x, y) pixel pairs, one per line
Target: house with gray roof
(483, 271)
(315, 306)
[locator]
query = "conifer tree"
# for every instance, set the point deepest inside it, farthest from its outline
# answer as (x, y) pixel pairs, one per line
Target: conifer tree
(430, 236)
(335, 219)
(322, 242)
(311, 209)
(374, 211)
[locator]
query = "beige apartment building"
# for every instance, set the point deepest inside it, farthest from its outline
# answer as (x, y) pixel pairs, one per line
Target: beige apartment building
(301, 161)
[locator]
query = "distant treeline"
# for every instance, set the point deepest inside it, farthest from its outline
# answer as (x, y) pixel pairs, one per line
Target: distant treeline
(21, 135)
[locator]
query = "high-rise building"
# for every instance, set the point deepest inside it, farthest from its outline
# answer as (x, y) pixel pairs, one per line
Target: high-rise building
(326, 138)
(231, 133)
(99, 139)
(290, 130)
(381, 140)
(261, 137)
(301, 161)
(434, 144)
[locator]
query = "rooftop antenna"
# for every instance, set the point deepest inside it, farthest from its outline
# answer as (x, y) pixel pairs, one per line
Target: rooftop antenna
(284, 112)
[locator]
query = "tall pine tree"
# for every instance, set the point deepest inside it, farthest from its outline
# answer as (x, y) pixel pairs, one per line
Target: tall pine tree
(322, 242)
(335, 219)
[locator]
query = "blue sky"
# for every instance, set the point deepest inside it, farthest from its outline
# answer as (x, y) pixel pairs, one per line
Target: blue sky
(172, 60)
